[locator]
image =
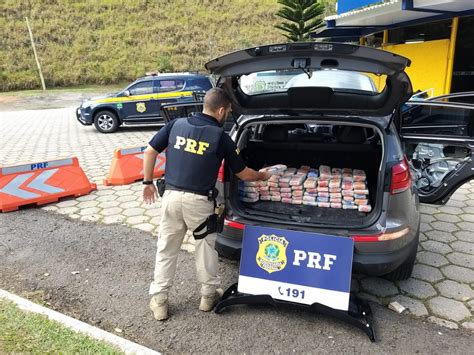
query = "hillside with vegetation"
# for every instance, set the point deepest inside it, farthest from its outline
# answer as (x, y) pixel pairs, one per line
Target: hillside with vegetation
(110, 41)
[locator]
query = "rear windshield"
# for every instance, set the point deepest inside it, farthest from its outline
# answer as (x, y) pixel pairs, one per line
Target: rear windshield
(282, 80)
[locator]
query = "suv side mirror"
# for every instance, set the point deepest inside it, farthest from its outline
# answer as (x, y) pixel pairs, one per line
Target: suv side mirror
(127, 92)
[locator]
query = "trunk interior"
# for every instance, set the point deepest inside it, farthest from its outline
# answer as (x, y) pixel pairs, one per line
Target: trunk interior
(337, 146)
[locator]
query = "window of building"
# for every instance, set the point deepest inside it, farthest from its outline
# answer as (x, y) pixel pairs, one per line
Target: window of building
(463, 71)
(421, 33)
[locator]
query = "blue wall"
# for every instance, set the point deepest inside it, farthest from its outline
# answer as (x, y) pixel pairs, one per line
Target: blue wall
(348, 5)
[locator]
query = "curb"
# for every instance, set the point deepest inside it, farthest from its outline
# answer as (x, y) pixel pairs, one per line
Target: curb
(128, 347)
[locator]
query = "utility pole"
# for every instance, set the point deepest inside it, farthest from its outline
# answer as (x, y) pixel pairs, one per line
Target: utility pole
(36, 55)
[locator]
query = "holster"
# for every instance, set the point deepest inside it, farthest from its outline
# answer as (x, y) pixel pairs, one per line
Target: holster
(160, 186)
(213, 223)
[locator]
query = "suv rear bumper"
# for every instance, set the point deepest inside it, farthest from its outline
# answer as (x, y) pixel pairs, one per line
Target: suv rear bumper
(374, 264)
(229, 248)
(378, 264)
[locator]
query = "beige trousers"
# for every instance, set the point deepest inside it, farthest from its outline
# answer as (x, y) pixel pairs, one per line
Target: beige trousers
(181, 211)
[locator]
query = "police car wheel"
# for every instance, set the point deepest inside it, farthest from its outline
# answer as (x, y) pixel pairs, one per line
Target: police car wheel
(106, 122)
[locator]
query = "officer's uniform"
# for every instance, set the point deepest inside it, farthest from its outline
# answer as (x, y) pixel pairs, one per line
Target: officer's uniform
(195, 148)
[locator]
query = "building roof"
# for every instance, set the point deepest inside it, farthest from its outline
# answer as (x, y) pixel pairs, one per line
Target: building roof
(398, 13)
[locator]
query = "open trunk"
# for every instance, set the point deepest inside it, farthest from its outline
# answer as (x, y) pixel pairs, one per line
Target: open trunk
(337, 146)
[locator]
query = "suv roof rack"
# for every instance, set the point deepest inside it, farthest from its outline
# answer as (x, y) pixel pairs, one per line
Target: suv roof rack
(157, 73)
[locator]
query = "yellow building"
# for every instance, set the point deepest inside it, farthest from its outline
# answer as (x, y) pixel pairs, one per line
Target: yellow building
(437, 35)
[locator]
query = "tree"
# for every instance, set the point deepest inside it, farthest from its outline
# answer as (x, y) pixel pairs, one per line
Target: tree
(329, 7)
(303, 17)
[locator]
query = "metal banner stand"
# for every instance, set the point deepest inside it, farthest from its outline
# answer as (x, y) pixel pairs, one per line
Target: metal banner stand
(358, 315)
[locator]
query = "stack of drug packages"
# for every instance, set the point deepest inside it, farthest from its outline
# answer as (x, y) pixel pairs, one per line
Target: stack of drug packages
(324, 187)
(291, 185)
(273, 192)
(329, 187)
(252, 191)
(354, 190)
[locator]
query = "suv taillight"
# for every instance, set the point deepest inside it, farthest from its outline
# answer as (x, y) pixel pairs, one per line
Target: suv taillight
(220, 175)
(401, 177)
(233, 224)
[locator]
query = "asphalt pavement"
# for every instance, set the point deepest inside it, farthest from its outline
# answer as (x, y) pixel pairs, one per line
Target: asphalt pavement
(441, 288)
(100, 274)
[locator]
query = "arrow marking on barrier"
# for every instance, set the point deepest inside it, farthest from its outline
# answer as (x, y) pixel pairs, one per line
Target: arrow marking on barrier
(142, 157)
(39, 182)
(12, 188)
(164, 164)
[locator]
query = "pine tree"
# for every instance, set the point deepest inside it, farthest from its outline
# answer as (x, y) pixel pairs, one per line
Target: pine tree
(302, 18)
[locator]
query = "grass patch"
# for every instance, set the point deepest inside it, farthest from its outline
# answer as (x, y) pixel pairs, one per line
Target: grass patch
(22, 331)
(77, 89)
(35, 297)
(111, 41)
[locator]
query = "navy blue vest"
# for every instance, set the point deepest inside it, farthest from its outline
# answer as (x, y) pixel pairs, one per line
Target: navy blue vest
(192, 156)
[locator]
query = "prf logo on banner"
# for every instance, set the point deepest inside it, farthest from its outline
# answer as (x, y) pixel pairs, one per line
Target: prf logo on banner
(271, 255)
(296, 266)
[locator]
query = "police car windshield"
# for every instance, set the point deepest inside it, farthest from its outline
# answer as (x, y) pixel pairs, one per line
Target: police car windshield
(282, 80)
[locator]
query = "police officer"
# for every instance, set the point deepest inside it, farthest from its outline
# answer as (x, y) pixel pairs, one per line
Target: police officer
(195, 148)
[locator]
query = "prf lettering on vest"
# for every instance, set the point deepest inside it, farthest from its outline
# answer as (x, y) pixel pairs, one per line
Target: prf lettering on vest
(314, 259)
(190, 145)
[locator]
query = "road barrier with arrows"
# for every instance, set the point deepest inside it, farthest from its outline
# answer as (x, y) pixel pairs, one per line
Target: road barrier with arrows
(41, 183)
(127, 166)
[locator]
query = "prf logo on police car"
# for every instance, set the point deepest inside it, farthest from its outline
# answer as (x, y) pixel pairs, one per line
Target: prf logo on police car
(271, 254)
(141, 107)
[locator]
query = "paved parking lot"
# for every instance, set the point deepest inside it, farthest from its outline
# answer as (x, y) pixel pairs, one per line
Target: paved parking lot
(441, 288)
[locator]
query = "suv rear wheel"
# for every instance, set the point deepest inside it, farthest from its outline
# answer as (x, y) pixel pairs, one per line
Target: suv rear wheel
(106, 122)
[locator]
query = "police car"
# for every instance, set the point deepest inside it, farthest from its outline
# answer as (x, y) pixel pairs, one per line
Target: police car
(140, 102)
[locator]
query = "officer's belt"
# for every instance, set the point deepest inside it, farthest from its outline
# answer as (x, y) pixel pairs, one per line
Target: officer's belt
(175, 188)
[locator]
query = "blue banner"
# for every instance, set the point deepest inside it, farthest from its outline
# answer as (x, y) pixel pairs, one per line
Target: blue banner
(349, 5)
(296, 266)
